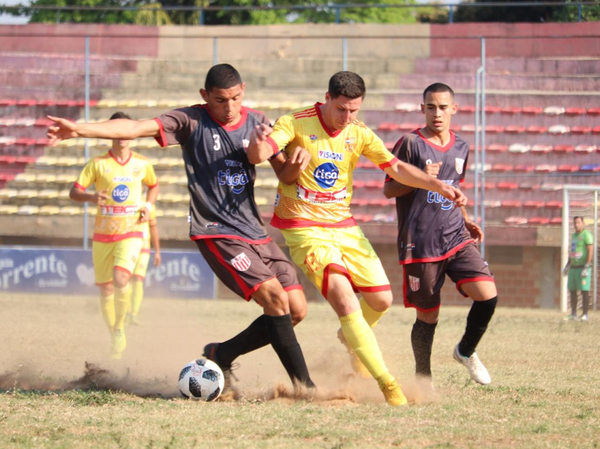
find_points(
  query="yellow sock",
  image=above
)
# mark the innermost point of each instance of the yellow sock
(122, 299)
(107, 307)
(136, 297)
(362, 340)
(372, 317)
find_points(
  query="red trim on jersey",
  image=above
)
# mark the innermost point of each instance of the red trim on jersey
(286, 223)
(437, 259)
(293, 287)
(145, 251)
(437, 147)
(256, 287)
(470, 280)
(388, 164)
(233, 237)
(152, 186)
(240, 282)
(79, 186)
(125, 270)
(161, 139)
(273, 144)
(408, 304)
(100, 284)
(379, 288)
(122, 164)
(306, 113)
(339, 269)
(323, 124)
(108, 238)
(226, 127)
(138, 276)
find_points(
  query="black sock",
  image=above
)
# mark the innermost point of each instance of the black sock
(283, 340)
(574, 299)
(421, 338)
(477, 322)
(585, 302)
(253, 337)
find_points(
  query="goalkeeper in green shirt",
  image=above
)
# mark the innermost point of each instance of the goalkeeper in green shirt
(579, 268)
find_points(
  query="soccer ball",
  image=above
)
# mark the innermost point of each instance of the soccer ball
(201, 380)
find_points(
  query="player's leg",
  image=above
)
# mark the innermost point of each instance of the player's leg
(137, 285)
(102, 258)
(474, 280)
(573, 298)
(573, 285)
(422, 285)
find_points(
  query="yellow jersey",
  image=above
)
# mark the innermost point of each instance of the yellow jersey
(321, 196)
(118, 218)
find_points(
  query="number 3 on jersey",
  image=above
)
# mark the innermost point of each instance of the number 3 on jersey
(217, 140)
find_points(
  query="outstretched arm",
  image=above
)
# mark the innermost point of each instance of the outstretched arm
(63, 129)
(288, 169)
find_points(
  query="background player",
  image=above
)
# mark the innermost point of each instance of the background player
(579, 268)
(435, 238)
(118, 177)
(151, 239)
(225, 220)
(312, 209)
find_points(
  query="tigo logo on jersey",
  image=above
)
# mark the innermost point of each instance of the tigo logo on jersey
(436, 198)
(120, 193)
(237, 181)
(326, 175)
(241, 262)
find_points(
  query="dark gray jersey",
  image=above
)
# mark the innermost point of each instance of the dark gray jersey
(430, 228)
(220, 178)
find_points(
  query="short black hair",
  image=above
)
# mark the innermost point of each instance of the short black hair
(580, 217)
(222, 76)
(119, 114)
(348, 84)
(436, 88)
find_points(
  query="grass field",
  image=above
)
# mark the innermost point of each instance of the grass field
(545, 390)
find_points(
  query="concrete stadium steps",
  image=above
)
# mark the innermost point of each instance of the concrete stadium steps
(99, 65)
(540, 66)
(576, 83)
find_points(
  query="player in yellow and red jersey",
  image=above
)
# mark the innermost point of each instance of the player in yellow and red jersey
(151, 240)
(118, 177)
(323, 144)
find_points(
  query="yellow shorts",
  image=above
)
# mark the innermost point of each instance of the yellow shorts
(318, 250)
(122, 255)
(142, 264)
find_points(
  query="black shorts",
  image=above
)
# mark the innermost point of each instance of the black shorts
(423, 281)
(243, 267)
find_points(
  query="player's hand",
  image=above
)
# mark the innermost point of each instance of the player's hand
(100, 198)
(433, 170)
(157, 259)
(300, 158)
(585, 271)
(260, 133)
(144, 215)
(565, 270)
(474, 230)
(61, 129)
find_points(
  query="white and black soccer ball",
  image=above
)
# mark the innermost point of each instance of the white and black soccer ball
(201, 380)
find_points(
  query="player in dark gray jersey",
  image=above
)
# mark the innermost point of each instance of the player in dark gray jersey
(224, 219)
(435, 238)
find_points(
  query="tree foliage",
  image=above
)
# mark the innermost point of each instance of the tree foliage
(107, 17)
(517, 13)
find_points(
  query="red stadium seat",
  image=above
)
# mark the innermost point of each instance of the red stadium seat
(7, 102)
(534, 129)
(564, 149)
(580, 203)
(495, 147)
(593, 111)
(556, 221)
(524, 168)
(468, 108)
(511, 203)
(467, 186)
(539, 220)
(510, 110)
(554, 205)
(48, 103)
(532, 110)
(494, 129)
(541, 148)
(390, 145)
(596, 130)
(515, 129)
(408, 126)
(455, 128)
(492, 109)
(568, 168)
(507, 186)
(490, 185)
(529, 186)
(581, 129)
(575, 111)
(545, 168)
(358, 184)
(533, 204)
(375, 184)
(501, 168)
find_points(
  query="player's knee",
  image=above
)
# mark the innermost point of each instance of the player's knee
(276, 301)
(106, 291)
(380, 302)
(121, 279)
(298, 312)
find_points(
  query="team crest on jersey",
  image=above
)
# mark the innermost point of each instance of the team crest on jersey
(136, 171)
(459, 164)
(313, 137)
(245, 143)
(349, 144)
(414, 283)
(241, 262)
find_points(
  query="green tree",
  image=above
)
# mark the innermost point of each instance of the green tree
(517, 13)
(108, 17)
(569, 13)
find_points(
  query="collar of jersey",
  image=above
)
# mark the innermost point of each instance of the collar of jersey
(437, 147)
(117, 161)
(238, 125)
(323, 124)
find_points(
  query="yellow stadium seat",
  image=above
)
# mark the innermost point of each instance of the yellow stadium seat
(27, 194)
(71, 210)
(43, 178)
(66, 178)
(28, 210)
(25, 178)
(106, 103)
(47, 194)
(46, 160)
(49, 210)
(8, 209)
(8, 193)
